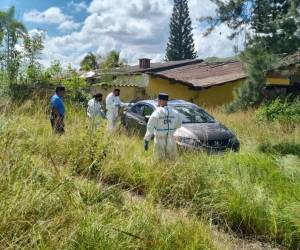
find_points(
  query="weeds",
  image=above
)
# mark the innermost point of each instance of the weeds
(52, 196)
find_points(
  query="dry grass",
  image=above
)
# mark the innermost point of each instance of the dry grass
(44, 177)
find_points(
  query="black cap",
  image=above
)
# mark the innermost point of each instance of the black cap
(60, 88)
(163, 96)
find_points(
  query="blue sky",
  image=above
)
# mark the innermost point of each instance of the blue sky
(74, 9)
(136, 28)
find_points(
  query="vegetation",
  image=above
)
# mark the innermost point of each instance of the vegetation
(250, 93)
(181, 44)
(33, 47)
(112, 60)
(68, 192)
(89, 62)
(11, 31)
(286, 110)
(272, 31)
(52, 195)
(53, 198)
(92, 61)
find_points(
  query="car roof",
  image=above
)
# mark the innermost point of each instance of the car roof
(172, 102)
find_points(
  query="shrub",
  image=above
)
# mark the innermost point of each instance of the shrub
(287, 111)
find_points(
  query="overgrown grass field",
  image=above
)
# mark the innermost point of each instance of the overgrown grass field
(52, 194)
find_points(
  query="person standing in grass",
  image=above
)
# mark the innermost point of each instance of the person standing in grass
(95, 111)
(163, 124)
(58, 110)
(113, 105)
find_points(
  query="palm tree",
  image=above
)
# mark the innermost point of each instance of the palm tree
(11, 30)
(113, 60)
(89, 62)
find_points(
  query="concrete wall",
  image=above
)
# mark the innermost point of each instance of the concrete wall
(128, 93)
(218, 95)
(278, 81)
(214, 96)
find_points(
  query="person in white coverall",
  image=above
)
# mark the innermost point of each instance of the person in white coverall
(163, 124)
(95, 111)
(113, 104)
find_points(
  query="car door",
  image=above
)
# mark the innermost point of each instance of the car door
(134, 117)
(147, 112)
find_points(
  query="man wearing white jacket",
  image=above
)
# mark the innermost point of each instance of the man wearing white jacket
(95, 111)
(163, 124)
(113, 104)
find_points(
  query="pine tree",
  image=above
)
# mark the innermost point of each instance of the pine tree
(181, 44)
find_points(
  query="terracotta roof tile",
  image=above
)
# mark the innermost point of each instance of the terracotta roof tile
(203, 75)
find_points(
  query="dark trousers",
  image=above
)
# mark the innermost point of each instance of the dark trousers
(57, 124)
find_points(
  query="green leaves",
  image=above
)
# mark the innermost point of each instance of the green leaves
(11, 31)
(181, 43)
(89, 62)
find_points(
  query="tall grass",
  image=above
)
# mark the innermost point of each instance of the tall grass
(253, 192)
(51, 196)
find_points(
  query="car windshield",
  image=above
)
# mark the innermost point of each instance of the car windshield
(193, 114)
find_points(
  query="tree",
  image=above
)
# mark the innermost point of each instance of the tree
(75, 85)
(33, 46)
(55, 70)
(12, 30)
(181, 43)
(272, 28)
(272, 24)
(89, 62)
(112, 60)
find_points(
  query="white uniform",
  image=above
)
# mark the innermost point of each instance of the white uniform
(163, 124)
(113, 103)
(95, 109)
(95, 112)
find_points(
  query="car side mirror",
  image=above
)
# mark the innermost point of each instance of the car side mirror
(147, 117)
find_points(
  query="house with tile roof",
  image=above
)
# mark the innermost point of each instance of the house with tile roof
(284, 77)
(204, 83)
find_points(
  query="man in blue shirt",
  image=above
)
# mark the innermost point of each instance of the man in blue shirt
(58, 110)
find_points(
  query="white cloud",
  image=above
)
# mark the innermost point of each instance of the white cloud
(68, 25)
(52, 15)
(78, 6)
(137, 28)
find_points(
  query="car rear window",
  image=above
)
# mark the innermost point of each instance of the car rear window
(193, 114)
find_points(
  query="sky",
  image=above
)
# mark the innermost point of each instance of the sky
(136, 28)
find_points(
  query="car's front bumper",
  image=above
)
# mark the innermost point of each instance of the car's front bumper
(214, 146)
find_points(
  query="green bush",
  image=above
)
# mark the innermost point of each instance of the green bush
(286, 110)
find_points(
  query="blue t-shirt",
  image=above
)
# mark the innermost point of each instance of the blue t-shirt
(57, 102)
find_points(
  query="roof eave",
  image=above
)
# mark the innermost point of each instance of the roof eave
(174, 80)
(191, 85)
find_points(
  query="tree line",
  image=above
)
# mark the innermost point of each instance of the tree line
(272, 29)
(20, 54)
